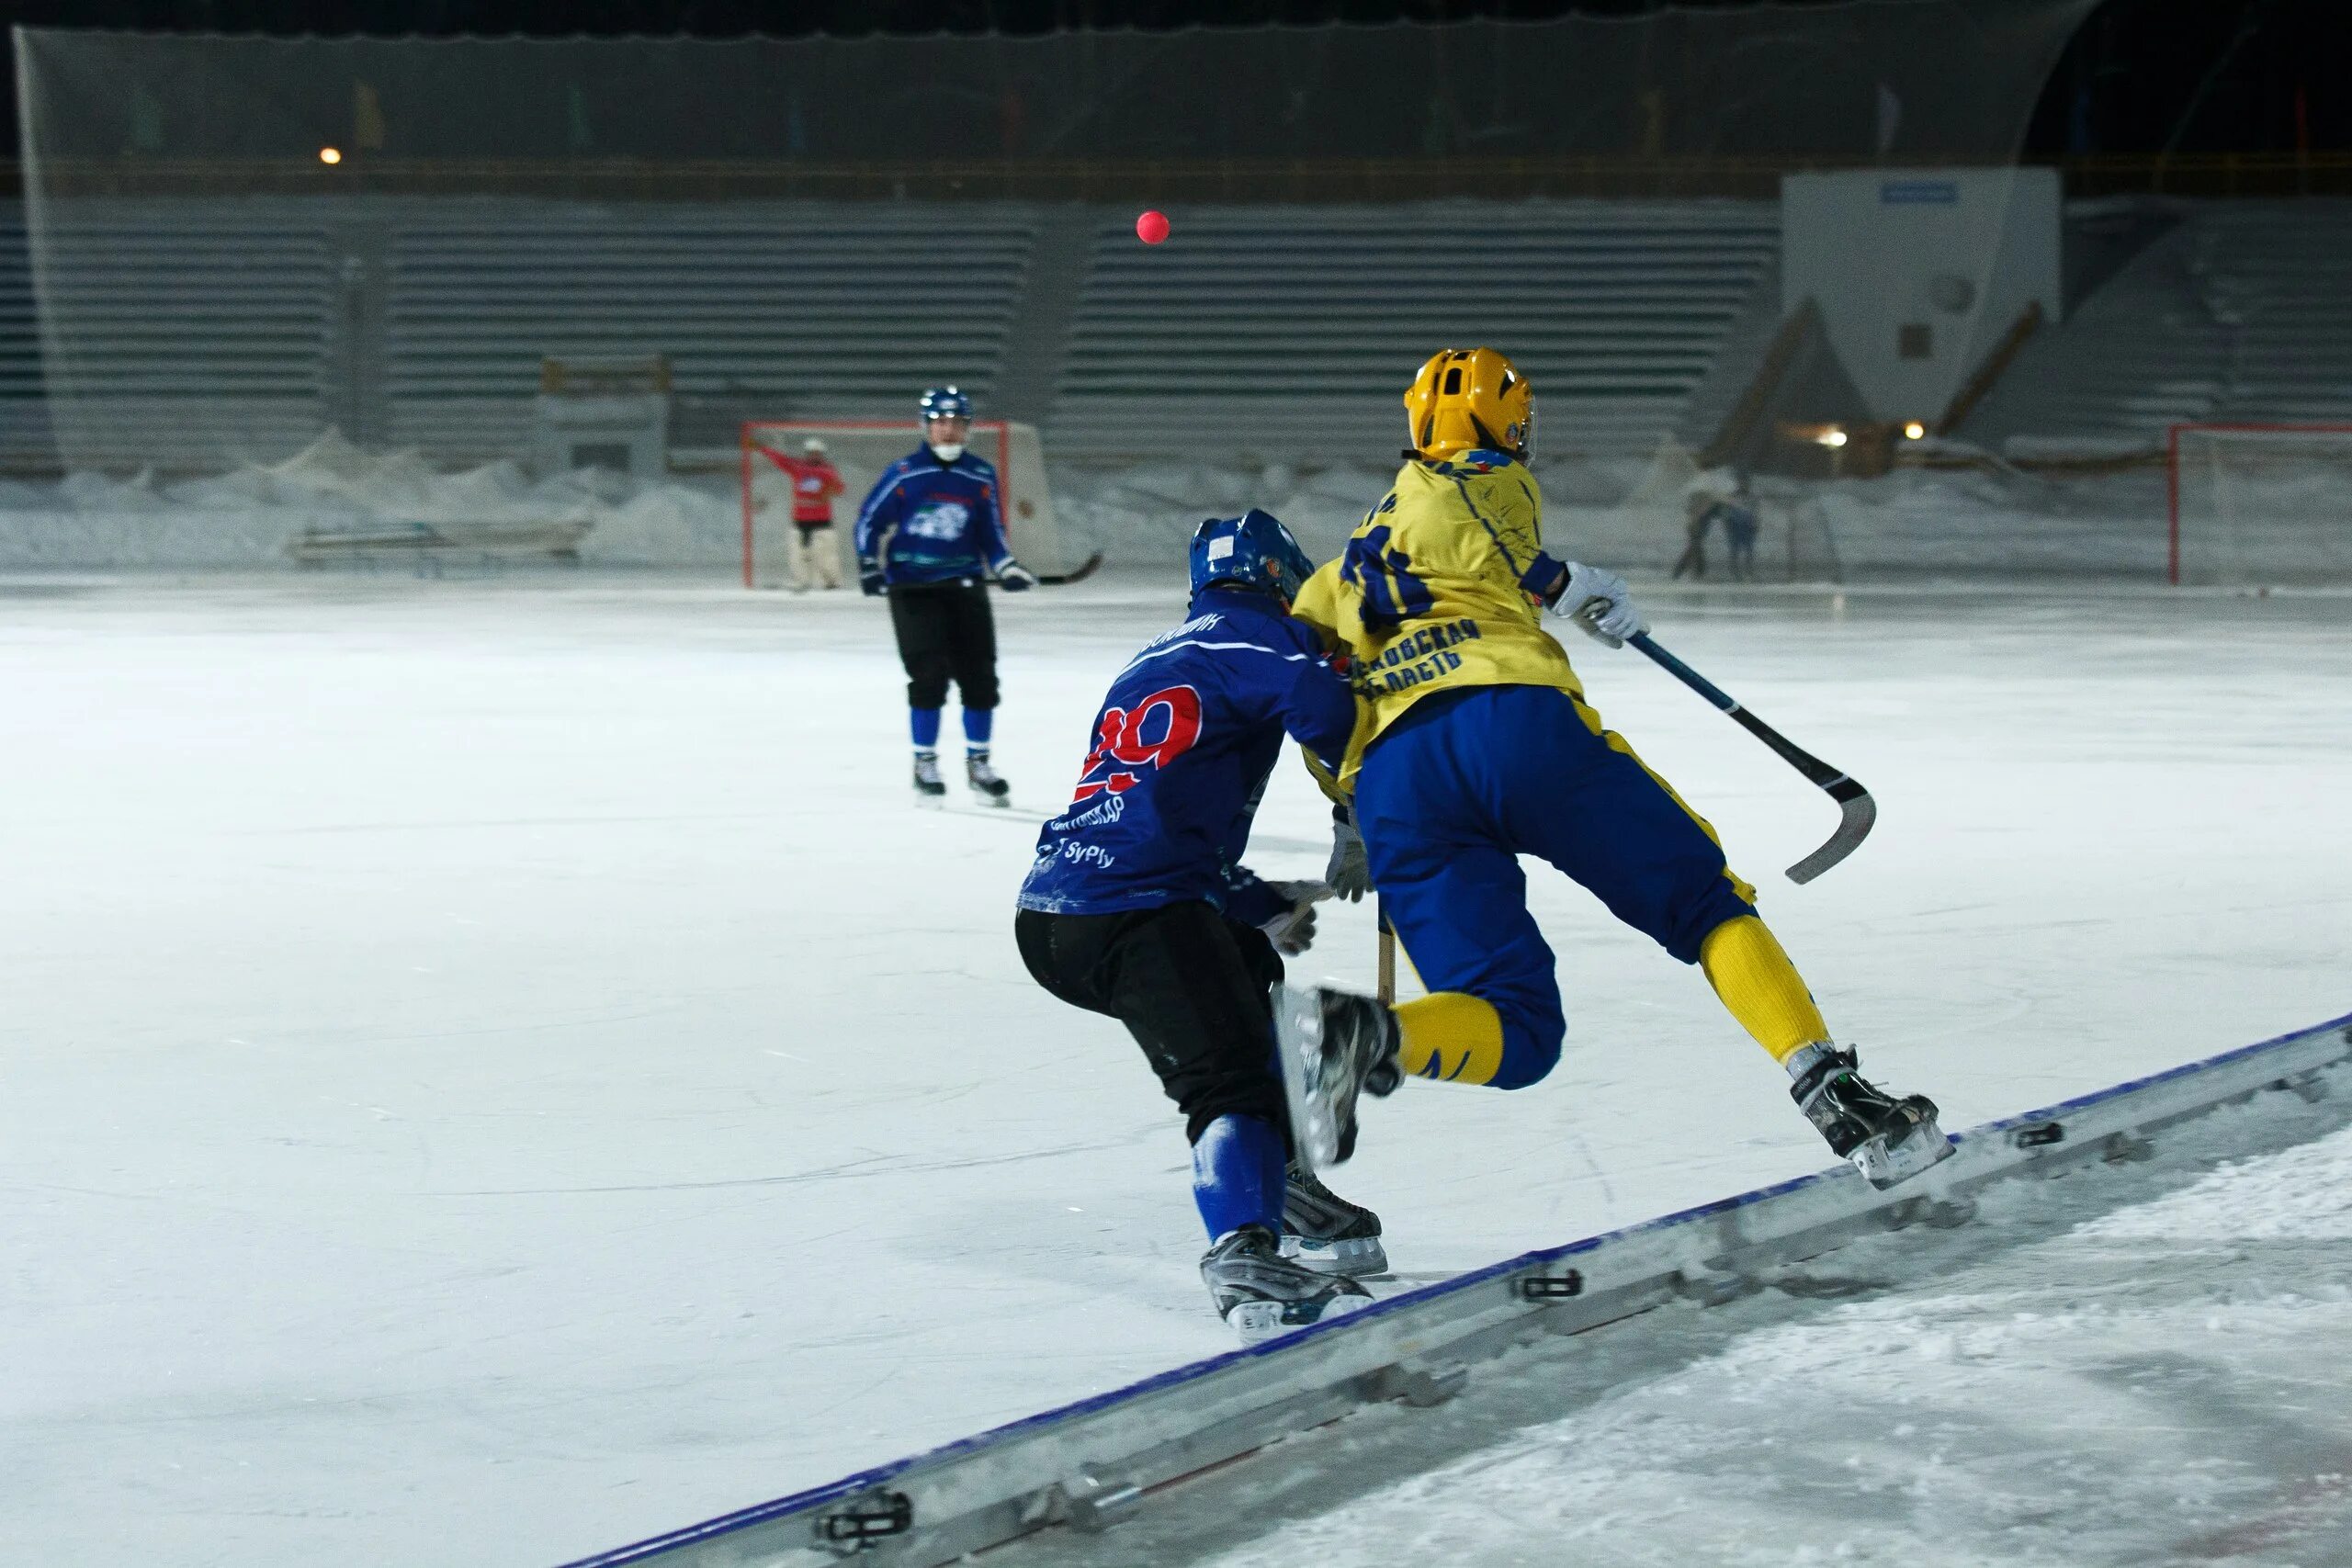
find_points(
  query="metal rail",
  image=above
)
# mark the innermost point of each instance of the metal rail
(1087, 1465)
(1116, 180)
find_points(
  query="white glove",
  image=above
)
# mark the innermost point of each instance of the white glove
(1348, 874)
(1016, 577)
(1294, 932)
(1598, 601)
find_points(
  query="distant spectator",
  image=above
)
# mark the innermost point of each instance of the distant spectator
(1725, 499)
(1742, 521)
(1699, 516)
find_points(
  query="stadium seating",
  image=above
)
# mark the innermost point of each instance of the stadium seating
(1277, 331)
(176, 332)
(199, 333)
(191, 333)
(760, 311)
(2280, 280)
(24, 413)
(2242, 311)
(203, 332)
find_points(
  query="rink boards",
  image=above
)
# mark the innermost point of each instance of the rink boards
(1087, 1465)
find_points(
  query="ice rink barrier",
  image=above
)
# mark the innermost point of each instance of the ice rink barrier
(1087, 1465)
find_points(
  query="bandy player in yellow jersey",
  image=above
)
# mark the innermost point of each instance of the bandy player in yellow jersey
(1474, 745)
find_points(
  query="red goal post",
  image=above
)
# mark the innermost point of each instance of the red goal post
(862, 449)
(2258, 503)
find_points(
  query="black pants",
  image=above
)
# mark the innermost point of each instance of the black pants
(1191, 987)
(946, 630)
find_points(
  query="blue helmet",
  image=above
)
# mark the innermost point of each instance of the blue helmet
(1253, 549)
(945, 402)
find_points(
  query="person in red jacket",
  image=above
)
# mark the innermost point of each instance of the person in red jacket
(815, 482)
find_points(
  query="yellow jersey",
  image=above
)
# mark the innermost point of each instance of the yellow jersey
(1429, 594)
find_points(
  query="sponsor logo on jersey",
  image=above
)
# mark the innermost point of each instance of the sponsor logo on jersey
(1109, 809)
(1427, 641)
(1416, 660)
(939, 520)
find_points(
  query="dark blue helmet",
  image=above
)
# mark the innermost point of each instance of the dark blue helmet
(1253, 549)
(945, 402)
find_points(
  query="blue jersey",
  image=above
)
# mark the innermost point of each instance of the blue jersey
(926, 521)
(1176, 759)
(1739, 521)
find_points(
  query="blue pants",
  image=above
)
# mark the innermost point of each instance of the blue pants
(1452, 794)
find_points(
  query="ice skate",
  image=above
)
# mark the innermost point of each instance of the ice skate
(1262, 1294)
(992, 790)
(1333, 1045)
(1888, 1140)
(1326, 1232)
(929, 785)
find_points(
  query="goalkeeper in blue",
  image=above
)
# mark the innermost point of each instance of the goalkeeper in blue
(1476, 747)
(1138, 907)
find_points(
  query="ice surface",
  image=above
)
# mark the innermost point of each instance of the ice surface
(489, 1072)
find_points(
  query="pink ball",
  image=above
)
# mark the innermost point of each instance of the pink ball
(1152, 228)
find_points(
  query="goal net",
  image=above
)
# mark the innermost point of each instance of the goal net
(861, 450)
(2257, 504)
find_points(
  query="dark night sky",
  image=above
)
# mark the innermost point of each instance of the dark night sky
(2142, 76)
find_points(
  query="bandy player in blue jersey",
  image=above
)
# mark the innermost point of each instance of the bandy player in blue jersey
(1138, 906)
(930, 536)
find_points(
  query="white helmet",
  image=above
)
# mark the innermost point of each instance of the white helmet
(813, 447)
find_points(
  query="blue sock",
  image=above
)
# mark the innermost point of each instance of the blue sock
(979, 725)
(1238, 1174)
(924, 722)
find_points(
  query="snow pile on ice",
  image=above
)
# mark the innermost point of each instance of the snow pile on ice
(1961, 522)
(250, 516)
(1148, 511)
(1992, 522)
(1631, 513)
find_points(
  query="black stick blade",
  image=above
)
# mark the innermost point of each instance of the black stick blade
(1077, 573)
(1858, 815)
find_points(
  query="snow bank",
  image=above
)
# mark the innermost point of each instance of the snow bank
(1627, 513)
(1630, 513)
(1148, 511)
(249, 517)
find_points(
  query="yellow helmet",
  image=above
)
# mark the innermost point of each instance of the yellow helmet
(1466, 398)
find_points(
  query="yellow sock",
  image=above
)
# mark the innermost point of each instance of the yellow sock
(1451, 1035)
(1749, 971)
